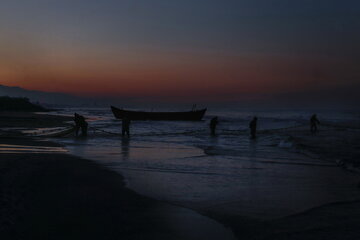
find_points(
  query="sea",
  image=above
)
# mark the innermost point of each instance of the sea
(180, 163)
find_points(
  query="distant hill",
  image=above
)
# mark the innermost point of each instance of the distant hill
(44, 98)
(19, 104)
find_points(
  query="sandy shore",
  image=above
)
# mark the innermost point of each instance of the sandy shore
(62, 197)
(52, 195)
(338, 144)
(334, 221)
(59, 196)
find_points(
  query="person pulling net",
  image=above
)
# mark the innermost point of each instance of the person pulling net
(80, 123)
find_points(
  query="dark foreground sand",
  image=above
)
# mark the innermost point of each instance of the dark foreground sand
(335, 221)
(59, 196)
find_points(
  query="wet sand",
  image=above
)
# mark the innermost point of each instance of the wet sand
(269, 199)
(336, 144)
(48, 194)
(59, 196)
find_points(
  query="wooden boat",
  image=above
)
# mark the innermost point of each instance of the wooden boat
(195, 115)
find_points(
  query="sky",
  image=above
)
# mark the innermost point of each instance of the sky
(221, 50)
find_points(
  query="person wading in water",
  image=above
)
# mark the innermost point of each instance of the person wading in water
(214, 121)
(252, 127)
(313, 124)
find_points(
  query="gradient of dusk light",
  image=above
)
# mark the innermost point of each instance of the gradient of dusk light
(212, 49)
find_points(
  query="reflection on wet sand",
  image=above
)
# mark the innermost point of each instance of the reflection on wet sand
(10, 148)
(125, 148)
(254, 179)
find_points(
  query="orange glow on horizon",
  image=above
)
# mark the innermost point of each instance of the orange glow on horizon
(186, 76)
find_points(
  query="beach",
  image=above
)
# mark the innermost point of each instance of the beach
(52, 195)
(46, 193)
(334, 143)
(184, 120)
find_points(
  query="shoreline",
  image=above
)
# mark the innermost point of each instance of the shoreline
(338, 144)
(83, 203)
(333, 143)
(336, 221)
(40, 204)
(58, 195)
(67, 196)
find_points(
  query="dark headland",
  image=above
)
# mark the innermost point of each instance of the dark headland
(19, 104)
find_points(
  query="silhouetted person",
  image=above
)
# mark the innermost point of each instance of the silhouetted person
(214, 121)
(252, 127)
(80, 123)
(126, 126)
(313, 124)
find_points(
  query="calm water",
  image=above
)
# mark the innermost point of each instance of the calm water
(181, 163)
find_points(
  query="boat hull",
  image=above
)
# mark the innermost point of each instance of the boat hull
(159, 116)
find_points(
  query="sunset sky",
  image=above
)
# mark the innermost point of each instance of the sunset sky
(210, 49)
